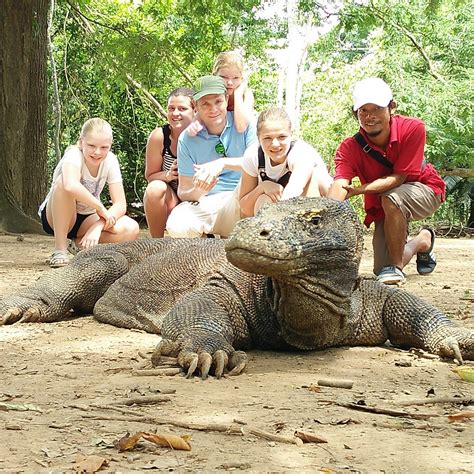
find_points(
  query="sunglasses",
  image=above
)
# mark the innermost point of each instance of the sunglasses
(220, 148)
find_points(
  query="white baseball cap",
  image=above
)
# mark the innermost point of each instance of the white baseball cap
(371, 91)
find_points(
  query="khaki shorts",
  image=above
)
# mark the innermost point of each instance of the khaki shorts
(216, 214)
(416, 201)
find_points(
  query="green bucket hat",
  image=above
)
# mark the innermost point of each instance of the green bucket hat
(208, 85)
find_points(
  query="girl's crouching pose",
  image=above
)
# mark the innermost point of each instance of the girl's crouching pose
(279, 168)
(73, 210)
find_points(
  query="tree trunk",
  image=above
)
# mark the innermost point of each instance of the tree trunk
(23, 112)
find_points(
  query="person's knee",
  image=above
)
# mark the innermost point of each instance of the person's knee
(181, 224)
(59, 189)
(389, 206)
(155, 191)
(130, 229)
(181, 229)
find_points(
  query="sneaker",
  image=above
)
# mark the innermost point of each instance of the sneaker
(426, 261)
(391, 275)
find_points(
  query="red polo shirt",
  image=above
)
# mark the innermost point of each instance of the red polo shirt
(405, 150)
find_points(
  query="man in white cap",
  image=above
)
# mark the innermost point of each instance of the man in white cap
(387, 155)
(209, 166)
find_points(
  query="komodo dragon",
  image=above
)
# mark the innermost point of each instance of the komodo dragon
(287, 278)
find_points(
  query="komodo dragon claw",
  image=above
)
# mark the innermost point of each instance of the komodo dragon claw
(450, 348)
(11, 316)
(18, 315)
(19, 309)
(202, 362)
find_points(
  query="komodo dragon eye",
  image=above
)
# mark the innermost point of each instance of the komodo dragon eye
(313, 217)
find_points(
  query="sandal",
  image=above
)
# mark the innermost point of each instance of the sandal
(426, 261)
(73, 248)
(58, 259)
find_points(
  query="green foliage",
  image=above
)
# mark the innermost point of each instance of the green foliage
(423, 48)
(100, 46)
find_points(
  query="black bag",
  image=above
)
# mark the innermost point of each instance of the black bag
(261, 168)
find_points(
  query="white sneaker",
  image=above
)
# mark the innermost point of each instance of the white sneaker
(391, 275)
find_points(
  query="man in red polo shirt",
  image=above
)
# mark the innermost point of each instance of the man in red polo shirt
(398, 185)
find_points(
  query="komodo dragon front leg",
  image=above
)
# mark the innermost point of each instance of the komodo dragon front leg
(203, 330)
(413, 323)
(77, 286)
(382, 313)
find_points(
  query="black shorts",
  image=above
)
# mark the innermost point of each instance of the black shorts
(80, 218)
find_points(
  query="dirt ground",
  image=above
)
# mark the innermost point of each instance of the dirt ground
(61, 371)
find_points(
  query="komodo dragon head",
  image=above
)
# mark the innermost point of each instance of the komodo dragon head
(311, 249)
(299, 237)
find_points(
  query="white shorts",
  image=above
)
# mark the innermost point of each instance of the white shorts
(215, 214)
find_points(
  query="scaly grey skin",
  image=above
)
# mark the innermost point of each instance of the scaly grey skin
(287, 278)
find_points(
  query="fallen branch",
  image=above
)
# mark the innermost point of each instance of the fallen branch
(401, 427)
(269, 436)
(464, 415)
(429, 401)
(142, 400)
(384, 411)
(221, 428)
(169, 371)
(4, 406)
(87, 408)
(19, 237)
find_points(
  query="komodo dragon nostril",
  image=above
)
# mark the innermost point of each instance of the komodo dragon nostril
(265, 233)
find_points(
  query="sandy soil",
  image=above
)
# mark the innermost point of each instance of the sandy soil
(63, 369)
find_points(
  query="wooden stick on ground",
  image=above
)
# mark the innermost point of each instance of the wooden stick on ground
(153, 372)
(142, 400)
(385, 411)
(221, 428)
(429, 401)
(338, 383)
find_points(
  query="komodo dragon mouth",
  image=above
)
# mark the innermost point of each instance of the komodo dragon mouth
(266, 261)
(253, 261)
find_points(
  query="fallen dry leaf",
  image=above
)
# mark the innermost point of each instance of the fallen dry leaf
(461, 416)
(90, 464)
(310, 437)
(128, 442)
(170, 441)
(314, 388)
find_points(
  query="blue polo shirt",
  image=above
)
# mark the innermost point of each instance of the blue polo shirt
(200, 149)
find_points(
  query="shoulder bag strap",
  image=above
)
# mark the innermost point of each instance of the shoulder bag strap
(371, 152)
(166, 139)
(261, 164)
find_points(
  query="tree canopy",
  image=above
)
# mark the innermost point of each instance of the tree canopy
(119, 59)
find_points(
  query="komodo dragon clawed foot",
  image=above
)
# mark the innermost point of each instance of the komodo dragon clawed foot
(23, 310)
(200, 354)
(455, 345)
